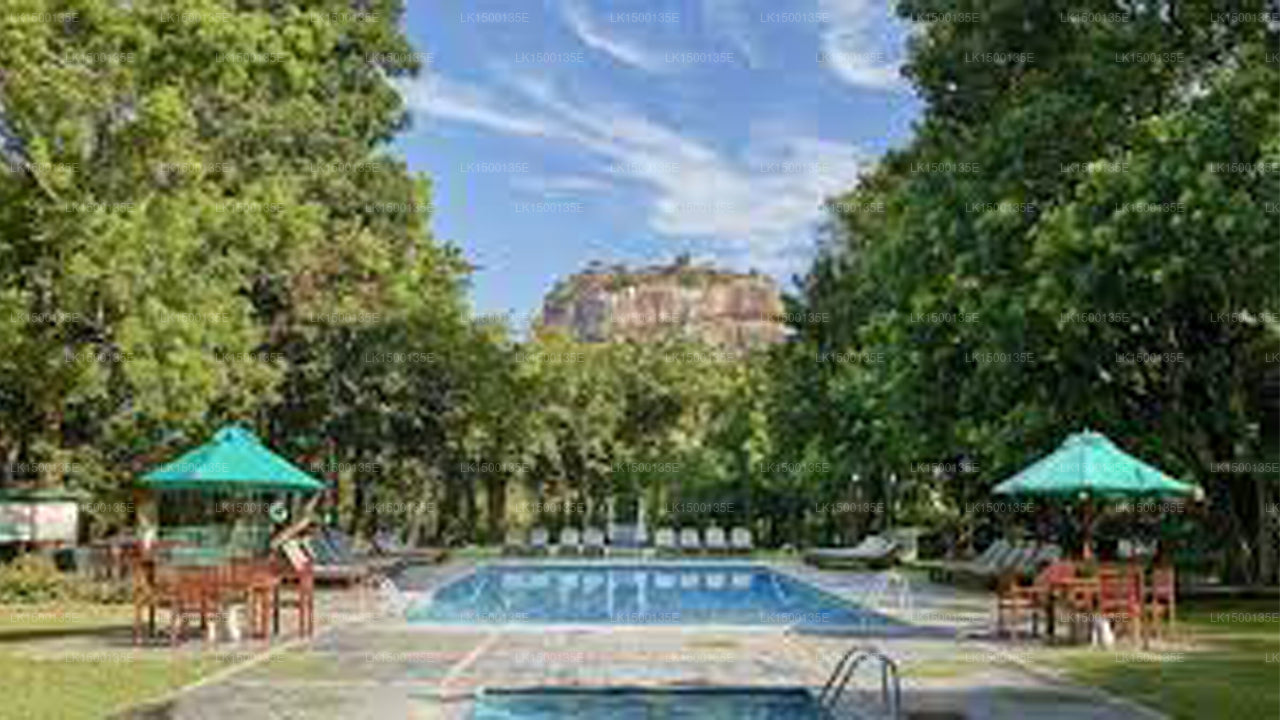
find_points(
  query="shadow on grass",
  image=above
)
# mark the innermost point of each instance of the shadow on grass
(13, 636)
(155, 711)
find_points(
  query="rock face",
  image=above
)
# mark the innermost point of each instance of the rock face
(735, 311)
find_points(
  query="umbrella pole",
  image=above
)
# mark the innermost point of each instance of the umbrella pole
(1086, 552)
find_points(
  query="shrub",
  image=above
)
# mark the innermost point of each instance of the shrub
(33, 579)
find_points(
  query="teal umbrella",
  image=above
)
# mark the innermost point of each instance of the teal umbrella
(234, 460)
(1088, 465)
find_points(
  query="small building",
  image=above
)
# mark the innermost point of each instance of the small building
(39, 517)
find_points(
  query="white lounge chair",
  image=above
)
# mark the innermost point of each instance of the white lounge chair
(715, 540)
(514, 543)
(593, 541)
(690, 542)
(740, 540)
(539, 539)
(664, 540)
(570, 542)
(874, 551)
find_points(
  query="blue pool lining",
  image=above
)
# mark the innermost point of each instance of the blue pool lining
(728, 564)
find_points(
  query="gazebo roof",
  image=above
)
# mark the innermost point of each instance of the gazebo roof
(1089, 463)
(234, 460)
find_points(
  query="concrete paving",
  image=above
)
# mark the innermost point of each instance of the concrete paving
(379, 666)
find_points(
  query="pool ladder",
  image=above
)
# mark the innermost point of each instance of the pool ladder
(890, 686)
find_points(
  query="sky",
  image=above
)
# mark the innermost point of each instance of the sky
(560, 132)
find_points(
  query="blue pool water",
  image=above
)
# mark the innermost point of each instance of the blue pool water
(690, 704)
(638, 595)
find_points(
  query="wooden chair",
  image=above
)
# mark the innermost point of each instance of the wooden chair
(302, 579)
(188, 591)
(1120, 595)
(255, 582)
(1014, 600)
(1161, 601)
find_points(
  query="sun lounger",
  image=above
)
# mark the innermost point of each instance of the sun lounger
(873, 551)
(664, 541)
(326, 566)
(389, 545)
(947, 570)
(538, 541)
(570, 542)
(593, 541)
(690, 542)
(740, 540)
(1009, 563)
(1040, 557)
(514, 543)
(715, 540)
(625, 536)
(344, 551)
(990, 565)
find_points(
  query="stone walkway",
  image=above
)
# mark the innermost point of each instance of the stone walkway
(382, 667)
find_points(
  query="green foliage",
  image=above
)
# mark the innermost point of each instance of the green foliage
(1068, 216)
(201, 223)
(32, 579)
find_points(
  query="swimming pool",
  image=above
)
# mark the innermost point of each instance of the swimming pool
(638, 704)
(657, 594)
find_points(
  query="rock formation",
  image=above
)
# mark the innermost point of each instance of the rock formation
(728, 310)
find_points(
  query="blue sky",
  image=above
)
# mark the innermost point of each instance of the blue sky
(563, 131)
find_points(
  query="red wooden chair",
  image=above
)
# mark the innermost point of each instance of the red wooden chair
(1014, 600)
(1120, 597)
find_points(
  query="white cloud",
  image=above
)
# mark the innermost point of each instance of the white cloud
(594, 36)
(754, 207)
(564, 184)
(435, 95)
(852, 47)
(731, 19)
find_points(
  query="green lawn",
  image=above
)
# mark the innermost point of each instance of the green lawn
(69, 662)
(1232, 671)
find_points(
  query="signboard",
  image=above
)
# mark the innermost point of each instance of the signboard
(38, 521)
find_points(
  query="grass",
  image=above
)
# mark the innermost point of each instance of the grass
(69, 663)
(1228, 668)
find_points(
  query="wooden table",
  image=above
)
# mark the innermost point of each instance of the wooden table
(1077, 593)
(206, 589)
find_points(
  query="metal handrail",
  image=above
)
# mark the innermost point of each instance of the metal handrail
(890, 684)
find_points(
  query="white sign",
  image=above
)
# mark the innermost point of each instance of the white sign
(39, 521)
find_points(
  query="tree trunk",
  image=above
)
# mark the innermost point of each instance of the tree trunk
(496, 510)
(1266, 567)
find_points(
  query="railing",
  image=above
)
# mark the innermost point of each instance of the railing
(890, 685)
(892, 592)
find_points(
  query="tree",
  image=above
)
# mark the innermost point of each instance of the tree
(1073, 199)
(200, 222)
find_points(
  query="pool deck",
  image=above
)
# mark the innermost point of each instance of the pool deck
(376, 665)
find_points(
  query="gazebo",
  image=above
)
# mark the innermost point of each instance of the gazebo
(234, 463)
(204, 571)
